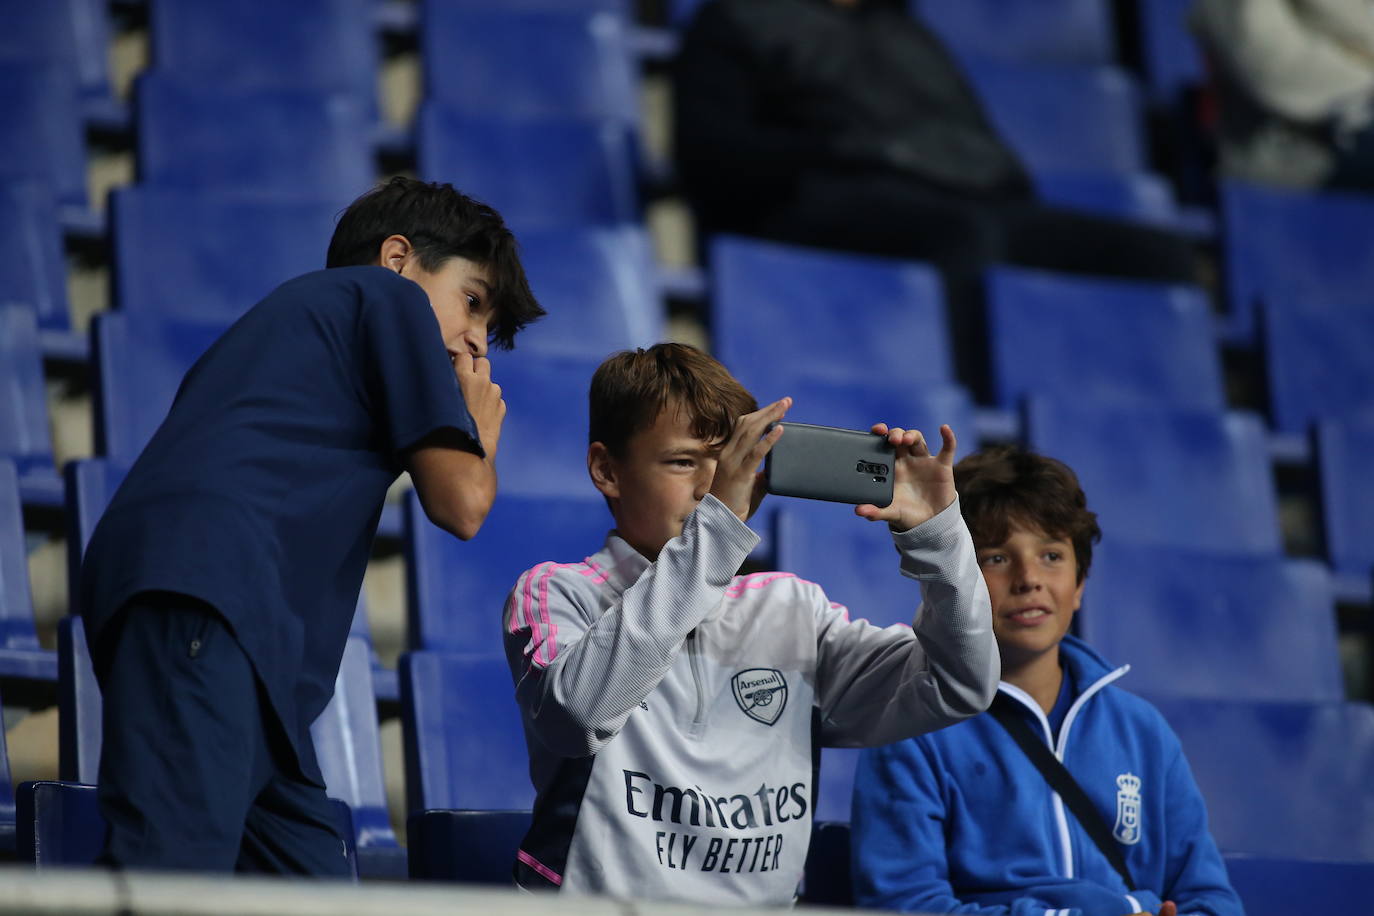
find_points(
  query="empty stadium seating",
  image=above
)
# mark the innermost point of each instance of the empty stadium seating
(1347, 501)
(543, 450)
(553, 170)
(1171, 58)
(7, 814)
(1036, 107)
(582, 66)
(139, 362)
(1166, 476)
(1317, 363)
(349, 749)
(1079, 338)
(74, 34)
(285, 140)
(1294, 249)
(1284, 780)
(40, 127)
(597, 285)
(24, 436)
(780, 314)
(456, 590)
(1025, 31)
(34, 271)
(233, 248)
(79, 705)
(1196, 624)
(1140, 196)
(465, 748)
(21, 656)
(320, 45)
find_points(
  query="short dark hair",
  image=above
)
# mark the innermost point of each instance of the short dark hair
(631, 388)
(441, 223)
(1007, 485)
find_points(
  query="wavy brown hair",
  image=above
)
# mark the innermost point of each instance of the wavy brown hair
(1007, 485)
(631, 388)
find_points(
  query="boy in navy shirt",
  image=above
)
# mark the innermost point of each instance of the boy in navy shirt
(219, 587)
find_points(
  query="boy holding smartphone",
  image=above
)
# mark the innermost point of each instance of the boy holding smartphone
(672, 709)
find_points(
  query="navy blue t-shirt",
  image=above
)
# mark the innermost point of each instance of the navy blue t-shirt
(261, 491)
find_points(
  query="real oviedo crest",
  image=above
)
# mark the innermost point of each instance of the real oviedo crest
(761, 693)
(1127, 828)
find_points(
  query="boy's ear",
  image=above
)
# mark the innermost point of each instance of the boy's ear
(602, 468)
(394, 252)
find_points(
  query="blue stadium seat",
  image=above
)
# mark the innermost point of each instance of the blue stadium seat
(528, 62)
(139, 362)
(464, 744)
(60, 825)
(1164, 475)
(781, 314)
(1077, 338)
(1347, 501)
(232, 248)
(456, 590)
(282, 140)
(1279, 887)
(597, 285)
(1140, 196)
(35, 270)
(1294, 248)
(79, 705)
(472, 847)
(74, 34)
(321, 45)
(1317, 363)
(1226, 627)
(24, 435)
(40, 127)
(538, 172)
(348, 746)
(856, 405)
(1027, 31)
(1172, 60)
(851, 558)
(543, 449)
(1284, 780)
(21, 656)
(1065, 118)
(836, 789)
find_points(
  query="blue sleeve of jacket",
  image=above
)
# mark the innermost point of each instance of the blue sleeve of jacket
(898, 847)
(1195, 876)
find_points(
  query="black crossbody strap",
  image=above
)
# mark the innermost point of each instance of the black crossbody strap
(1004, 710)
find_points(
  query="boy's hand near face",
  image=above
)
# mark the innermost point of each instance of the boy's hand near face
(738, 482)
(922, 485)
(482, 396)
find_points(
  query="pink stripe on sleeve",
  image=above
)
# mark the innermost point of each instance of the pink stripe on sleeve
(538, 866)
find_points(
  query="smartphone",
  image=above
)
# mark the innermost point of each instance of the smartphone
(837, 465)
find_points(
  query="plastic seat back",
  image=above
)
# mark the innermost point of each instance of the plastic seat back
(17, 629)
(538, 172)
(782, 314)
(35, 271)
(232, 248)
(457, 590)
(41, 128)
(1347, 499)
(1317, 363)
(1077, 338)
(79, 705)
(1288, 780)
(288, 141)
(1058, 31)
(140, 362)
(24, 435)
(1229, 627)
(1167, 476)
(465, 747)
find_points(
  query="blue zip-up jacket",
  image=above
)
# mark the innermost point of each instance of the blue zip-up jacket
(960, 821)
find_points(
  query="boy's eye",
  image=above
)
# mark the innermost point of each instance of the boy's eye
(992, 559)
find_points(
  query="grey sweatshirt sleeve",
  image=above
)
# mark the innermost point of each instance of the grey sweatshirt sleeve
(876, 686)
(576, 693)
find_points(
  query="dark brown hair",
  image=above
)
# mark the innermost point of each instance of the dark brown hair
(630, 389)
(440, 223)
(1007, 485)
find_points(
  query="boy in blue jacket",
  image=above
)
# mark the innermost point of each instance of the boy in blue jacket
(960, 821)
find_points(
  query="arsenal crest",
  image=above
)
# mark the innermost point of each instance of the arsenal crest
(761, 693)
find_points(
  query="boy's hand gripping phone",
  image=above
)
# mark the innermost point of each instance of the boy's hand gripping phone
(823, 462)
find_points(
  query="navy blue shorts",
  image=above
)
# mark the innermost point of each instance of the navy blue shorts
(195, 769)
